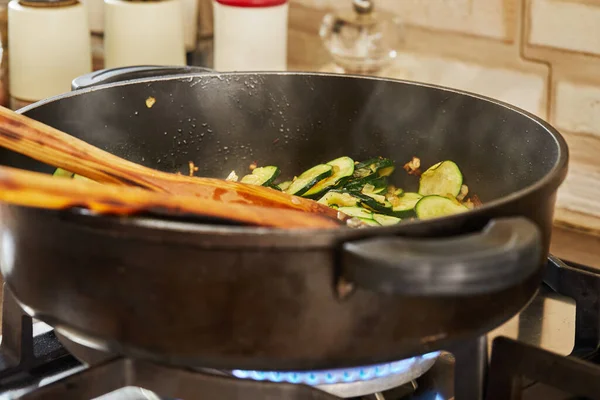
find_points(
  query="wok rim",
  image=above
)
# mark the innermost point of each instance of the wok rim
(553, 178)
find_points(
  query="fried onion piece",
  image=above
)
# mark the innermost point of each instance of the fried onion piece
(412, 167)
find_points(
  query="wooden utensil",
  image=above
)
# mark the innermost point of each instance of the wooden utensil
(51, 146)
(33, 189)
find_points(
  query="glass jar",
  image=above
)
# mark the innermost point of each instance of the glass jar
(362, 41)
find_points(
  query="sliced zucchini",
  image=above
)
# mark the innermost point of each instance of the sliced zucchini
(309, 178)
(375, 202)
(404, 206)
(373, 168)
(342, 167)
(375, 164)
(438, 206)
(385, 220)
(386, 171)
(283, 186)
(376, 186)
(392, 192)
(370, 222)
(357, 212)
(356, 185)
(443, 179)
(379, 198)
(82, 178)
(62, 173)
(262, 176)
(365, 164)
(339, 199)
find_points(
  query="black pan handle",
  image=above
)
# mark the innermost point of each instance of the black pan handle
(502, 255)
(120, 74)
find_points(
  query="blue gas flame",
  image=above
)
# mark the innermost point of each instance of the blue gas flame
(346, 375)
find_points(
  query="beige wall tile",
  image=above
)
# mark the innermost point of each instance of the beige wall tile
(565, 24)
(581, 190)
(577, 107)
(488, 18)
(523, 89)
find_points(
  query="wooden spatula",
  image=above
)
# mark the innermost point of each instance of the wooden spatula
(32, 189)
(51, 146)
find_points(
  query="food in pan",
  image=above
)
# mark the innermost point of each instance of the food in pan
(361, 189)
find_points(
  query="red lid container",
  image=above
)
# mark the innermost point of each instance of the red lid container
(251, 3)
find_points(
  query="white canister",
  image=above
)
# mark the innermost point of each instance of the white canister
(250, 35)
(190, 20)
(143, 33)
(49, 44)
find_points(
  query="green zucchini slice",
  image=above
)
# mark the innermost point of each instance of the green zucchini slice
(357, 212)
(62, 173)
(342, 168)
(387, 171)
(283, 186)
(370, 222)
(385, 220)
(262, 176)
(443, 179)
(375, 164)
(82, 178)
(404, 206)
(309, 178)
(66, 174)
(376, 186)
(375, 202)
(438, 206)
(335, 198)
(373, 168)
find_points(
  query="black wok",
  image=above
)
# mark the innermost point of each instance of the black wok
(222, 296)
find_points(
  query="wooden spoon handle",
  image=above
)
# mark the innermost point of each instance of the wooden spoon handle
(33, 189)
(41, 142)
(51, 146)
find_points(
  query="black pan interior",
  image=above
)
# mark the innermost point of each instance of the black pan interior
(223, 122)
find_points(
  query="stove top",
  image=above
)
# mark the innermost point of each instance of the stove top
(527, 353)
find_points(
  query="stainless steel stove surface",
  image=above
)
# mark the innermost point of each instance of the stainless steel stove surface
(563, 319)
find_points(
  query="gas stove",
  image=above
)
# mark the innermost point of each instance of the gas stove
(548, 351)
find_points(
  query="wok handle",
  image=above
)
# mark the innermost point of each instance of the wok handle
(120, 74)
(502, 255)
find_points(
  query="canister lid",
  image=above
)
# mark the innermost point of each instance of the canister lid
(48, 3)
(251, 3)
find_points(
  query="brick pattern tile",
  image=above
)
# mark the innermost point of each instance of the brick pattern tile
(523, 89)
(565, 24)
(577, 107)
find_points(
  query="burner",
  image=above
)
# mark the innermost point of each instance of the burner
(351, 382)
(35, 365)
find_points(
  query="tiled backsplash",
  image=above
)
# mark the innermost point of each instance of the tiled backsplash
(541, 55)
